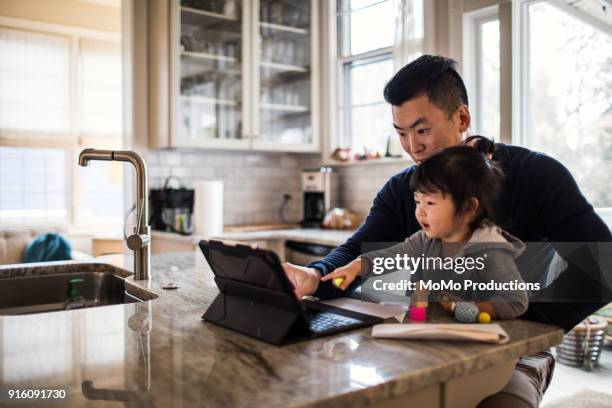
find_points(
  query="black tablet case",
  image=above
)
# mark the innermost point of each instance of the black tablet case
(255, 298)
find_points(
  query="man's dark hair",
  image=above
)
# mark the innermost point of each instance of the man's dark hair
(430, 75)
(461, 172)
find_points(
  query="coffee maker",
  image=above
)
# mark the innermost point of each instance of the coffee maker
(318, 187)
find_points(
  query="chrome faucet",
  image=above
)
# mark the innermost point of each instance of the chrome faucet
(140, 239)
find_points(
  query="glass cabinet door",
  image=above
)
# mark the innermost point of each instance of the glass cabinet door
(284, 57)
(209, 110)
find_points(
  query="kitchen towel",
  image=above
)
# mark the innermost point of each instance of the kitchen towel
(208, 208)
(484, 333)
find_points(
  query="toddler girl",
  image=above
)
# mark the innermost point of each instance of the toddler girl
(454, 193)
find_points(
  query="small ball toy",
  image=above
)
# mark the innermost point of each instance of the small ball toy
(466, 312)
(338, 281)
(484, 317)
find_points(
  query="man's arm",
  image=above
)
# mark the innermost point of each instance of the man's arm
(383, 224)
(564, 215)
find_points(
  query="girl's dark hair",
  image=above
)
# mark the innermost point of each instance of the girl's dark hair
(462, 172)
(480, 143)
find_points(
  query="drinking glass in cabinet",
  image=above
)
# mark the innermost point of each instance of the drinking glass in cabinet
(285, 72)
(225, 8)
(286, 127)
(292, 52)
(210, 66)
(209, 121)
(214, 95)
(292, 14)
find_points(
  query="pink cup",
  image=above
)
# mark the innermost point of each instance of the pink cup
(418, 314)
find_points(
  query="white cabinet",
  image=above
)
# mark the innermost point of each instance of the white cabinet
(286, 82)
(242, 74)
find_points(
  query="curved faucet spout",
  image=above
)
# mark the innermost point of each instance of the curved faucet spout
(142, 252)
(93, 154)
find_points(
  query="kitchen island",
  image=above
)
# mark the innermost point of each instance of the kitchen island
(160, 353)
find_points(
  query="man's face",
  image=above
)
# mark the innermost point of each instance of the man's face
(424, 129)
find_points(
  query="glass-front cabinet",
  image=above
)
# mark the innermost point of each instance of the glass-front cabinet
(284, 36)
(243, 74)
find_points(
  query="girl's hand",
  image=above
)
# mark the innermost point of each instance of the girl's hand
(348, 273)
(447, 306)
(448, 302)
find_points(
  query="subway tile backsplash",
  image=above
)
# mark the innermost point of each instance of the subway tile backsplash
(254, 182)
(359, 184)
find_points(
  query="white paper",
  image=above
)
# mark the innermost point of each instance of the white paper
(485, 333)
(208, 208)
(369, 308)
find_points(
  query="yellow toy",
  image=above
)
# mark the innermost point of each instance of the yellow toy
(338, 281)
(484, 317)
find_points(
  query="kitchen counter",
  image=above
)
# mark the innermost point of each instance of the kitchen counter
(160, 353)
(313, 235)
(163, 242)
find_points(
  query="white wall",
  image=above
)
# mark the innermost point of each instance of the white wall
(92, 15)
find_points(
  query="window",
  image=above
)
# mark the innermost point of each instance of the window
(34, 82)
(366, 60)
(58, 94)
(34, 105)
(33, 184)
(488, 85)
(482, 71)
(100, 185)
(568, 97)
(561, 90)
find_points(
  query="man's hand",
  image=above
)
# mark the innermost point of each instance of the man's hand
(305, 280)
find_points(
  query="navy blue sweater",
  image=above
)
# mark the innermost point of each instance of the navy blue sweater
(540, 201)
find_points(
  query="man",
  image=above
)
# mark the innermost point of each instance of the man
(540, 201)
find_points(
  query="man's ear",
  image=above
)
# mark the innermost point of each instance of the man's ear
(464, 118)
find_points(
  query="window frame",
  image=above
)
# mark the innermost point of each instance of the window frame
(472, 58)
(514, 65)
(332, 132)
(71, 141)
(520, 74)
(341, 109)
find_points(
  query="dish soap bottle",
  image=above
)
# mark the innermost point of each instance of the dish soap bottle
(75, 300)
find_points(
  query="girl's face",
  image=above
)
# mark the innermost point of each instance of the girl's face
(437, 215)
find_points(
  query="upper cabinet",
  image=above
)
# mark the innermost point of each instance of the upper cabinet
(284, 34)
(210, 57)
(241, 74)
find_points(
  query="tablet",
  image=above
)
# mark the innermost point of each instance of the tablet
(257, 299)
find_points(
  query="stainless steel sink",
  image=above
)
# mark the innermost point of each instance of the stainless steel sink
(33, 291)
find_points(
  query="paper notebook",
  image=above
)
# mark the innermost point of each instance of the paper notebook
(484, 333)
(384, 311)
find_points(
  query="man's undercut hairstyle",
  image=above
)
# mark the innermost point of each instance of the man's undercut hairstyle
(430, 75)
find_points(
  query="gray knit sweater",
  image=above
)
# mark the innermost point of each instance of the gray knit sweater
(499, 250)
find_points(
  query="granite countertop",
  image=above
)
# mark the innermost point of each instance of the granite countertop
(160, 353)
(312, 235)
